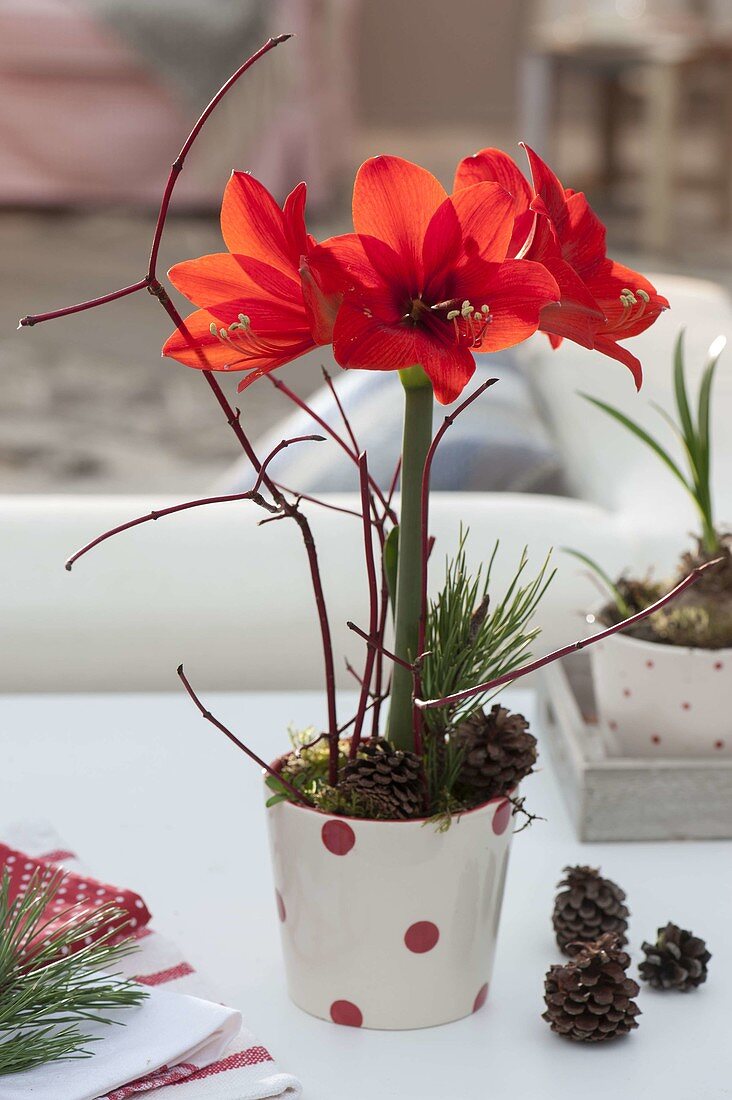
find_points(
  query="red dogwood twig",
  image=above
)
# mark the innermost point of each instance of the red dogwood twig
(363, 472)
(159, 513)
(376, 644)
(297, 795)
(353, 455)
(150, 278)
(339, 405)
(252, 494)
(573, 647)
(153, 285)
(281, 446)
(317, 500)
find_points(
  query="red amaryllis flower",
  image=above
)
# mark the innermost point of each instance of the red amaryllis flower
(260, 304)
(425, 277)
(601, 302)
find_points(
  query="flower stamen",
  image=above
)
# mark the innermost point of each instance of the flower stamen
(469, 323)
(242, 340)
(630, 314)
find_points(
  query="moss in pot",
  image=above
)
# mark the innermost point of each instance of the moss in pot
(663, 686)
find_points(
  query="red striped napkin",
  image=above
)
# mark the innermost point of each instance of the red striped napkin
(245, 1071)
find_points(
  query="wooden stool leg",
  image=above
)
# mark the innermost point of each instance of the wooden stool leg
(609, 129)
(538, 103)
(663, 93)
(725, 151)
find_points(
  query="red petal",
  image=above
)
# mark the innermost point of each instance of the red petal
(269, 281)
(476, 222)
(583, 243)
(341, 263)
(516, 291)
(207, 352)
(293, 209)
(285, 333)
(253, 225)
(322, 309)
(606, 285)
(496, 166)
(548, 188)
(394, 200)
(209, 279)
(615, 351)
(365, 341)
(578, 315)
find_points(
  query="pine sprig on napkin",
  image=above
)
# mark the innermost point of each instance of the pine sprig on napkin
(55, 975)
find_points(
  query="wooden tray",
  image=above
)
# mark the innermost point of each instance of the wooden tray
(612, 797)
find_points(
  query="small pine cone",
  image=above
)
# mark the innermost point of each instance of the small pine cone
(498, 752)
(387, 781)
(589, 998)
(677, 960)
(588, 907)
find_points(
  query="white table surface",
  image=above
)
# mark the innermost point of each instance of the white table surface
(153, 798)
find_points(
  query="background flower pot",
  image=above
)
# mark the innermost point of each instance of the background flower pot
(655, 699)
(389, 924)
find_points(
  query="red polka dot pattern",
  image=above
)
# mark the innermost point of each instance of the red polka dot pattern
(481, 998)
(281, 910)
(84, 894)
(719, 744)
(421, 937)
(718, 666)
(655, 739)
(501, 817)
(338, 837)
(346, 1013)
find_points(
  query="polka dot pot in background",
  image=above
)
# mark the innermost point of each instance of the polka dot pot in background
(662, 700)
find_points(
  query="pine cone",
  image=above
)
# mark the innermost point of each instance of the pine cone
(589, 997)
(588, 907)
(387, 781)
(498, 751)
(677, 960)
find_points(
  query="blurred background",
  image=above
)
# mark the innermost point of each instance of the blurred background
(631, 100)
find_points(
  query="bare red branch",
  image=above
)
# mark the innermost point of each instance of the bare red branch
(376, 644)
(297, 795)
(150, 277)
(302, 404)
(573, 647)
(363, 472)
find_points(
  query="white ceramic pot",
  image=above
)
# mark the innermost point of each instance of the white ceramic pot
(389, 924)
(663, 700)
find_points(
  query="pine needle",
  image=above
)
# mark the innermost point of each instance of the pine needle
(471, 639)
(53, 982)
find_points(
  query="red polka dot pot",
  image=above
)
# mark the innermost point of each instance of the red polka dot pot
(387, 924)
(663, 700)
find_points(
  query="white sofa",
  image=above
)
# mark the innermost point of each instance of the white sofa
(603, 462)
(230, 599)
(233, 601)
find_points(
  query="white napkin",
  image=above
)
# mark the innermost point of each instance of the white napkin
(176, 1046)
(166, 1030)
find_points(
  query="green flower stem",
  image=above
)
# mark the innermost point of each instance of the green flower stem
(418, 400)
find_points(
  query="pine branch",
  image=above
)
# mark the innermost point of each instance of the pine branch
(52, 981)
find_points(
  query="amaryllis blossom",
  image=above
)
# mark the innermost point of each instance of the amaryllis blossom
(602, 301)
(260, 305)
(425, 276)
